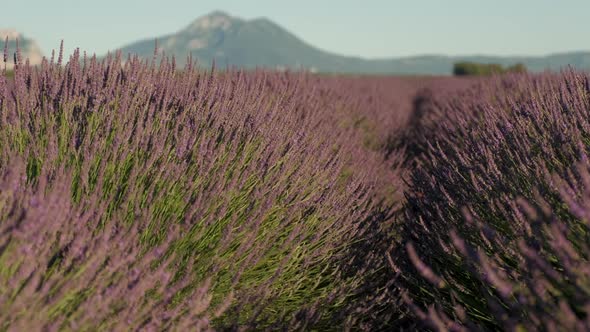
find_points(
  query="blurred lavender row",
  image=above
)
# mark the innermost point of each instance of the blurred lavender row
(496, 217)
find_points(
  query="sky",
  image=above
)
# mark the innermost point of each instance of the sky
(369, 28)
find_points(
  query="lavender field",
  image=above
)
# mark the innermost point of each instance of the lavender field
(137, 195)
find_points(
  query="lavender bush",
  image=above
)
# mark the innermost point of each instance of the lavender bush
(219, 199)
(535, 282)
(500, 241)
(59, 272)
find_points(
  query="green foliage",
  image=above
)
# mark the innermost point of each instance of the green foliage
(495, 189)
(236, 186)
(517, 68)
(9, 74)
(485, 69)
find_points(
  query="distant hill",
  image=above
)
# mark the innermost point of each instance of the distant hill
(262, 43)
(29, 48)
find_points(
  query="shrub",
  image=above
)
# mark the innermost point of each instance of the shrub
(239, 183)
(58, 271)
(466, 209)
(537, 281)
(481, 69)
(517, 68)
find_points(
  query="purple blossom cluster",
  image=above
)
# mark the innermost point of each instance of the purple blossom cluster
(59, 272)
(496, 212)
(135, 195)
(140, 195)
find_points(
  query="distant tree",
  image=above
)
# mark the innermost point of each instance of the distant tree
(464, 69)
(517, 68)
(493, 68)
(481, 69)
(476, 69)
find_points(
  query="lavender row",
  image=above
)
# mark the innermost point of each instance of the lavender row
(496, 227)
(138, 194)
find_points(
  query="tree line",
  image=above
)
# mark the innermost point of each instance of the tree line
(467, 68)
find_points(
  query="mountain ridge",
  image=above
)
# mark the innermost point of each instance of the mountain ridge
(260, 42)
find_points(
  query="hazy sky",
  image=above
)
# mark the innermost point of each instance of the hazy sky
(369, 28)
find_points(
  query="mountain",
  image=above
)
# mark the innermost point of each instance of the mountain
(244, 43)
(28, 47)
(262, 43)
